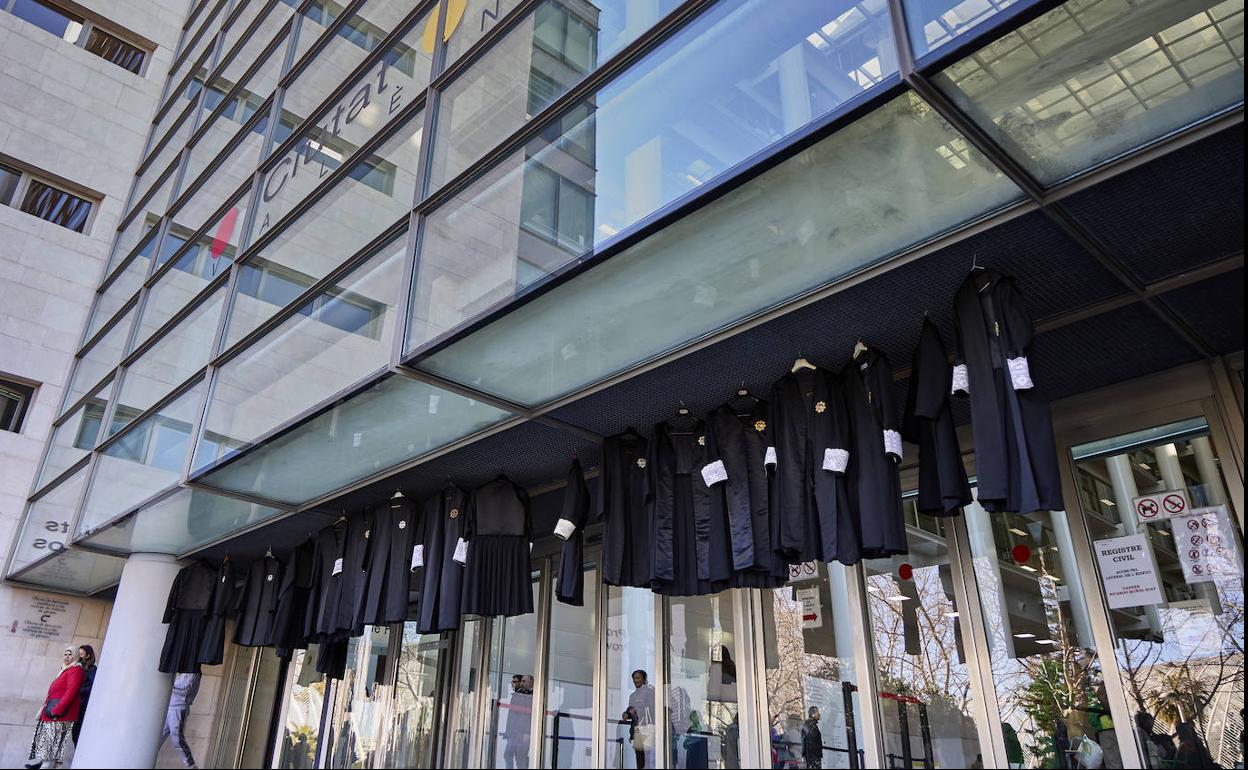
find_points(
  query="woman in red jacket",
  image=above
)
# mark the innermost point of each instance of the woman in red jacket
(58, 714)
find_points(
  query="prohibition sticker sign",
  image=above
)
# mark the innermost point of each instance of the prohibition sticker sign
(1174, 504)
(1147, 508)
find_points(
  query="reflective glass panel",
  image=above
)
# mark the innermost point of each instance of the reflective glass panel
(376, 193)
(99, 360)
(213, 250)
(255, 41)
(513, 656)
(1045, 665)
(199, 57)
(139, 234)
(301, 727)
(630, 715)
(895, 177)
(229, 173)
(921, 652)
(181, 114)
(932, 23)
(48, 18)
(702, 682)
(1091, 80)
(810, 669)
(180, 353)
(539, 60)
(464, 725)
(361, 701)
(467, 21)
(393, 421)
(1181, 658)
(417, 700)
(72, 439)
(147, 459)
(76, 572)
(186, 519)
(163, 158)
(146, 217)
(45, 529)
(119, 292)
(567, 724)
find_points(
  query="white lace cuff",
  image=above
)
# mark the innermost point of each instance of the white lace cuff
(835, 460)
(892, 443)
(770, 457)
(418, 556)
(564, 529)
(1020, 373)
(461, 551)
(715, 472)
(961, 380)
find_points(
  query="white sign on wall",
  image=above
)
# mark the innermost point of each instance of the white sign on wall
(49, 618)
(812, 610)
(1206, 545)
(807, 570)
(1128, 572)
(1163, 505)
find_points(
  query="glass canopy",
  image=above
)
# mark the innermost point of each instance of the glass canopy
(75, 572)
(179, 522)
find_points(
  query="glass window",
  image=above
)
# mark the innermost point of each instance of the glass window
(538, 61)
(178, 522)
(189, 77)
(230, 173)
(417, 701)
(99, 360)
(464, 724)
(567, 724)
(932, 23)
(920, 652)
(1045, 665)
(513, 656)
(896, 177)
(45, 529)
(630, 716)
(388, 423)
(162, 158)
(210, 254)
(375, 193)
(467, 21)
(75, 437)
(145, 460)
(76, 572)
(50, 18)
(275, 16)
(8, 183)
(118, 293)
(1116, 75)
(15, 398)
(361, 699)
(158, 179)
(701, 690)
(810, 667)
(180, 353)
(56, 206)
(301, 727)
(113, 49)
(1181, 659)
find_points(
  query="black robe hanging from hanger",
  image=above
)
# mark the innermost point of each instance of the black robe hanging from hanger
(691, 554)
(293, 597)
(355, 548)
(212, 643)
(623, 507)
(186, 612)
(571, 529)
(319, 625)
(740, 478)
(875, 455)
(389, 568)
(811, 518)
(928, 422)
(496, 565)
(441, 578)
(257, 603)
(1015, 454)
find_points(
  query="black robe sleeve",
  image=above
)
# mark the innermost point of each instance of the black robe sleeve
(571, 586)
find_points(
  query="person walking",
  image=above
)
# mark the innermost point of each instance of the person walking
(185, 688)
(812, 739)
(86, 659)
(57, 715)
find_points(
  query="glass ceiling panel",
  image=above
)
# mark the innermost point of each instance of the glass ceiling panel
(395, 420)
(932, 23)
(1093, 79)
(895, 177)
(733, 81)
(46, 528)
(186, 519)
(75, 571)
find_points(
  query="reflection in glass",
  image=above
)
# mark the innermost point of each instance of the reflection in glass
(76, 572)
(179, 522)
(1182, 661)
(1045, 665)
(893, 178)
(72, 439)
(418, 704)
(228, 175)
(1088, 81)
(45, 529)
(810, 667)
(360, 702)
(932, 23)
(513, 659)
(701, 689)
(467, 21)
(925, 687)
(568, 720)
(300, 731)
(118, 293)
(630, 717)
(463, 722)
(97, 362)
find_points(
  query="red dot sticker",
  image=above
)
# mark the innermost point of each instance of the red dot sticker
(905, 572)
(1021, 553)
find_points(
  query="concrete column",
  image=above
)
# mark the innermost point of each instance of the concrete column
(129, 693)
(794, 87)
(987, 567)
(1210, 474)
(1125, 491)
(1171, 471)
(1070, 570)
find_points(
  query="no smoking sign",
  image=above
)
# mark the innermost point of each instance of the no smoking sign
(1161, 506)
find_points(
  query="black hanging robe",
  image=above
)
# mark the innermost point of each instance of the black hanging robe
(442, 577)
(319, 621)
(212, 643)
(740, 478)
(389, 568)
(257, 603)
(623, 496)
(875, 455)
(293, 597)
(496, 563)
(928, 422)
(186, 612)
(691, 553)
(571, 529)
(811, 518)
(1015, 454)
(349, 617)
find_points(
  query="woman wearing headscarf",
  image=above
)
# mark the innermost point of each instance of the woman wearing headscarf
(57, 715)
(86, 659)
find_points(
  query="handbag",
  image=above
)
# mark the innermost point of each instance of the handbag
(643, 737)
(49, 708)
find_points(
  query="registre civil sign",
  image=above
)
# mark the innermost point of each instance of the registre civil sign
(1128, 571)
(38, 616)
(1162, 505)
(1206, 545)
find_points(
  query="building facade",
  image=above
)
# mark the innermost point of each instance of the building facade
(269, 261)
